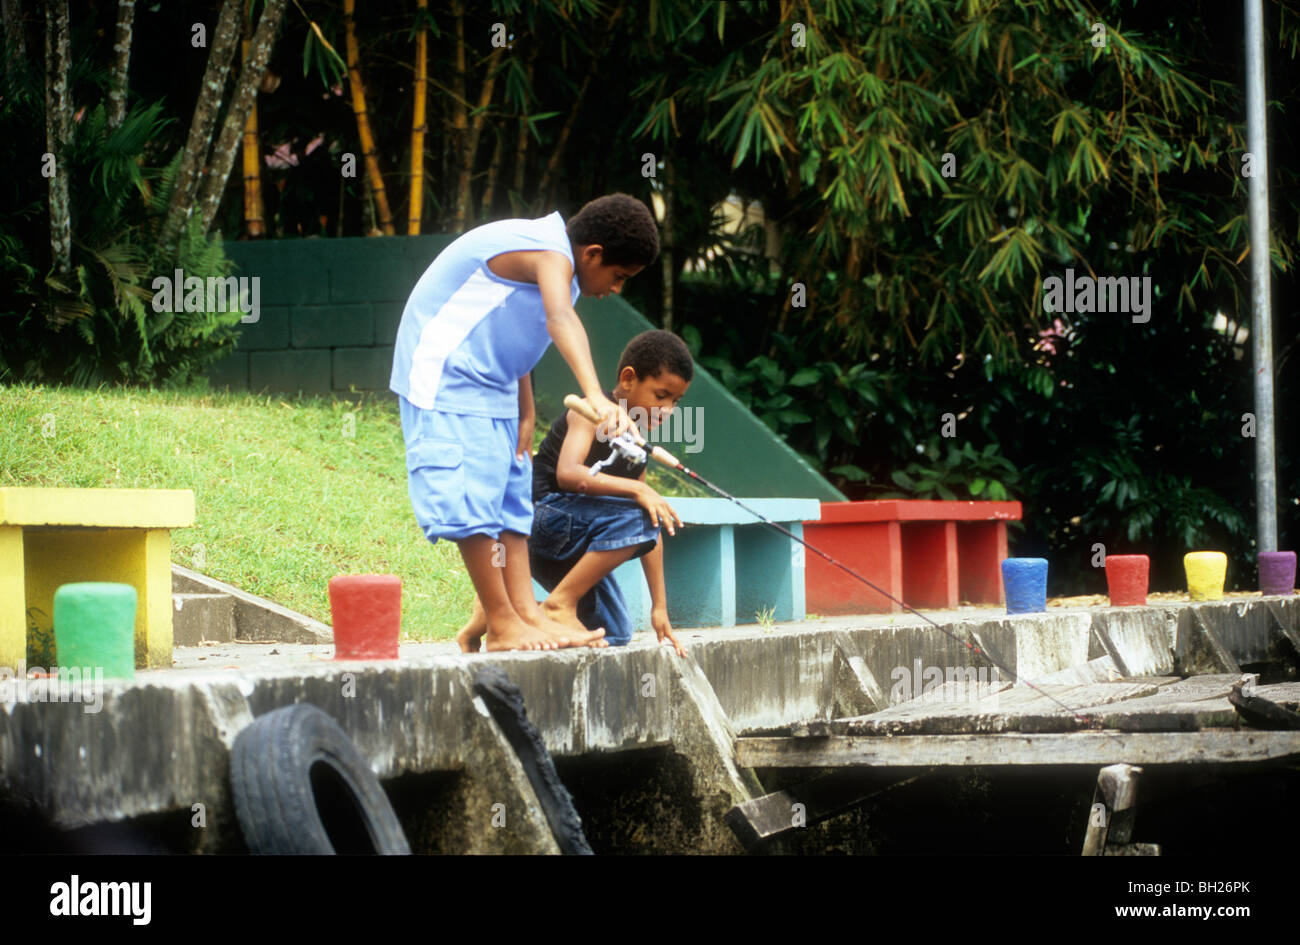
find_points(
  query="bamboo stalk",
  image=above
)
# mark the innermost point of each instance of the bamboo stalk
(466, 169)
(418, 124)
(254, 211)
(549, 178)
(373, 175)
(521, 140)
(494, 172)
(459, 116)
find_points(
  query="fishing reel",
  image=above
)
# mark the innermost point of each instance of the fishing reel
(622, 445)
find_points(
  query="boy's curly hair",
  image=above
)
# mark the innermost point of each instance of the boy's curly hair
(653, 352)
(623, 227)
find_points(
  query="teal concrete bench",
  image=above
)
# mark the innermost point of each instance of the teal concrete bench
(726, 566)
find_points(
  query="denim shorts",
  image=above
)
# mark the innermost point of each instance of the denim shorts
(463, 476)
(566, 526)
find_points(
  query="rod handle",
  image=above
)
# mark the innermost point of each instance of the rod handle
(662, 455)
(579, 405)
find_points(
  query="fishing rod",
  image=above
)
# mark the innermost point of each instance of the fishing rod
(632, 445)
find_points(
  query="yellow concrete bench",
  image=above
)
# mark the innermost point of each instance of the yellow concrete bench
(50, 537)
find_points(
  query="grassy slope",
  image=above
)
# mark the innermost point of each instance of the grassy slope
(288, 491)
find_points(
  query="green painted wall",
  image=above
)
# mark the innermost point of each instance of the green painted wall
(329, 316)
(717, 436)
(329, 312)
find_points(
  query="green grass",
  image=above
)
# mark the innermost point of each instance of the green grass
(289, 491)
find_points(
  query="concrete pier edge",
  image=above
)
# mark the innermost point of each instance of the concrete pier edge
(161, 742)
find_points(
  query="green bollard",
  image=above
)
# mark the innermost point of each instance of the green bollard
(94, 626)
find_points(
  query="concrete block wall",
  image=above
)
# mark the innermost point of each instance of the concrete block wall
(329, 311)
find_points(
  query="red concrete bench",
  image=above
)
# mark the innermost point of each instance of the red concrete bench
(928, 553)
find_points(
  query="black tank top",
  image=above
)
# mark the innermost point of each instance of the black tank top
(548, 456)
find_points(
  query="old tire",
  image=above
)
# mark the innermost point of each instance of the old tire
(506, 704)
(301, 786)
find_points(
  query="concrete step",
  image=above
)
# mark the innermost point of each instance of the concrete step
(255, 618)
(198, 617)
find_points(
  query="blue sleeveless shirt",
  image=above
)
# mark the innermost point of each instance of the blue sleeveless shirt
(467, 335)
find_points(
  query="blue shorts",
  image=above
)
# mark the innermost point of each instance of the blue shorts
(566, 526)
(463, 475)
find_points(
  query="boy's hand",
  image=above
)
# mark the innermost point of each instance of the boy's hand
(664, 630)
(613, 418)
(659, 509)
(525, 448)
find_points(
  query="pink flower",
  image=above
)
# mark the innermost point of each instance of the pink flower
(282, 157)
(1048, 336)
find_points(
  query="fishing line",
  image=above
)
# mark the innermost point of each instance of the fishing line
(666, 458)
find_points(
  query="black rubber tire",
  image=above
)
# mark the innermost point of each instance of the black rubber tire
(506, 703)
(301, 786)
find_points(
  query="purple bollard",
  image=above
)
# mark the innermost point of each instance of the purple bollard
(1277, 572)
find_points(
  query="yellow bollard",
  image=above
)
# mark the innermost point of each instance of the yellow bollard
(1206, 571)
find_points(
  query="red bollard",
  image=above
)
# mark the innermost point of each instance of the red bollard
(1126, 579)
(367, 614)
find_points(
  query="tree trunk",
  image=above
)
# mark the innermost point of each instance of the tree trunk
(546, 189)
(15, 38)
(241, 103)
(58, 132)
(254, 209)
(459, 115)
(416, 209)
(121, 61)
(466, 169)
(195, 153)
(373, 175)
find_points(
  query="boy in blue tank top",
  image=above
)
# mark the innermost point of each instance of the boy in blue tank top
(475, 324)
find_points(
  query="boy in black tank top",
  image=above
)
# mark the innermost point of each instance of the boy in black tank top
(585, 526)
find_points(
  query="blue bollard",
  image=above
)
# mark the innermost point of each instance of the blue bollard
(1025, 580)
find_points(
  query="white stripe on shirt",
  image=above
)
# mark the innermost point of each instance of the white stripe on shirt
(472, 302)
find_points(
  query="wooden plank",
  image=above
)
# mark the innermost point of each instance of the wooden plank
(803, 805)
(1118, 785)
(1285, 694)
(1094, 838)
(1259, 712)
(945, 712)
(1198, 702)
(1073, 748)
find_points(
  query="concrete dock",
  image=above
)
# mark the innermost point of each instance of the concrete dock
(158, 747)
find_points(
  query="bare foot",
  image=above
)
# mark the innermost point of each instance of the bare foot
(562, 624)
(562, 613)
(470, 636)
(518, 635)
